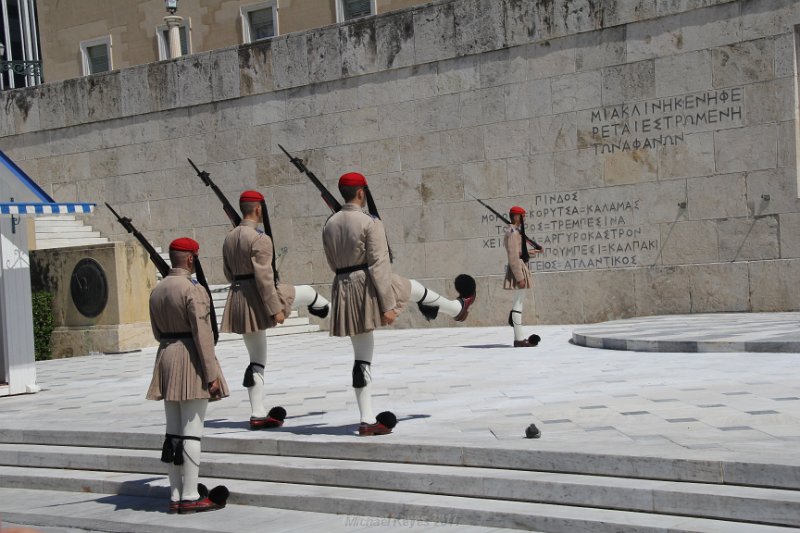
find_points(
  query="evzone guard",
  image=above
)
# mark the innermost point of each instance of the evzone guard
(366, 294)
(186, 375)
(258, 301)
(518, 275)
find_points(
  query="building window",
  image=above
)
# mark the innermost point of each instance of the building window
(96, 55)
(162, 34)
(352, 9)
(259, 21)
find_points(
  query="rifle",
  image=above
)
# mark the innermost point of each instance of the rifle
(536, 245)
(163, 268)
(233, 216)
(327, 197)
(157, 260)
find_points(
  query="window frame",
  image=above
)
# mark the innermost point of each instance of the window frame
(98, 41)
(244, 15)
(340, 10)
(163, 39)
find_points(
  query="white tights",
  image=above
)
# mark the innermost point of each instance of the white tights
(304, 295)
(256, 344)
(363, 348)
(449, 307)
(516, 317)
(185, 419)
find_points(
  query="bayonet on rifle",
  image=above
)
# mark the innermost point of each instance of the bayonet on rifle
(157, 260)
(164, 269)
(327, 197)
(233, 215)
(536, 245)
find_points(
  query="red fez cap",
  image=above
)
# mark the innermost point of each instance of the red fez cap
(185, 244)
(352, 179)
(251, 196)
(516, 210)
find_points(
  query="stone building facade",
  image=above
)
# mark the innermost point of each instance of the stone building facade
(654, 143)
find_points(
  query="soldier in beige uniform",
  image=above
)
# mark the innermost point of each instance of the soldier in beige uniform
(186, 375)
(256, 300)
(366, 294)
(518, 275)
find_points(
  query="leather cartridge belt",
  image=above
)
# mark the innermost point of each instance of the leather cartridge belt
(347, 270)
(244, 277)
(176, 336)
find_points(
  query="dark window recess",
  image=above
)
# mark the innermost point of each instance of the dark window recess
(98, 58)
(357, 8)
(261, 24)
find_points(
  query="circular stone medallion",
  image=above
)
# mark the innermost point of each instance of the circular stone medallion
(89, 288)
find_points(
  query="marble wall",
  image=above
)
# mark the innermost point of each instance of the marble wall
(652, 141)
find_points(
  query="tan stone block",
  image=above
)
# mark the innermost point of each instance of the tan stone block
(608, 294)
(225, 73)
(445, 258)
(779, 185)
(395, 48)
(336, 161)
(268, 108)
(534, 174)
(689, 242)
(598, 49)
(458, 75)
(486, 256)
(723, 196)
(572, 92)
(290, 63)
(662, 291)
(719, 287)
(192, 80)
(463, 145)
(324, 54)
(622, 12)
(528, 99)
(359, 47)
(623, 168)
(559, 297)
(487, 179)
(462, 220)
(628, 82)
(398, 119)
(71, 342)
(747, 240)
(417, 224)
(790, 235)
(434, 33)
(222, 145)
(683, 73)
(770, 101)
(773, 285)
(504, 66)
(551, 58)
(51, 107)
(483, 106)
(694, 157)
(324, 130)
(749, 148)
(479, 26)
(409, 259)
(784, 55)
(419, 81)
(437, 113)
(578, 169)
(421, 151)
(554, 133)
(787, 147)
(506, 139)
(441, 184)
(380, 156)
(685, 32)
(768, 17)
(744, 62)
(396, 189)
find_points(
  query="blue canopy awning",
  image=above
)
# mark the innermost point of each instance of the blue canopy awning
(53, 208)
(26, 197)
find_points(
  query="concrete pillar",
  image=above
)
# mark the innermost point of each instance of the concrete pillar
(173, 24)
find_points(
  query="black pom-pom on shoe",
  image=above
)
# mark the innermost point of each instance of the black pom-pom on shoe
(465, 285)
(534, 339)
(219, 495)
(387, 418)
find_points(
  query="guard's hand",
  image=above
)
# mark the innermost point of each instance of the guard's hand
(521, 283)
(279, 317)
(389, 317)
(213, 387)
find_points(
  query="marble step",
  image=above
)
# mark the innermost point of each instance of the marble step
(48, 243)
(698, 468)
(72, 227)
(769, 506)
(120, 513)
(383, 503)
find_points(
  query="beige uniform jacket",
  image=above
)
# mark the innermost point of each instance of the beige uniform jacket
(516, 270)
(359, 299)
(184, 367)
(254, 301)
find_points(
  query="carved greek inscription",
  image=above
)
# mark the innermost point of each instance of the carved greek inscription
(578, 233)
(664, 121)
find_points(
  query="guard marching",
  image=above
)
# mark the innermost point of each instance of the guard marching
(366, 294)
(518, 275)
(258, 301)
